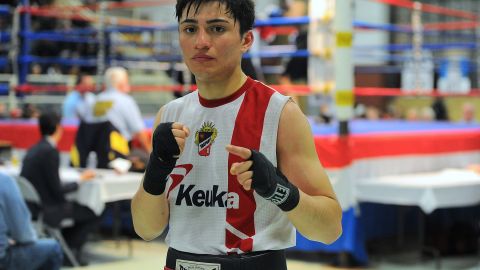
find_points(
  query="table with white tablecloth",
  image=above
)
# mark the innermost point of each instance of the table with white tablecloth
(433, 190)
(107, 186)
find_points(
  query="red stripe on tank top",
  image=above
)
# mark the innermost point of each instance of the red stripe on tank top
(246, 133)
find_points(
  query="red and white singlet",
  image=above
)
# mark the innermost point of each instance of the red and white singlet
(210, 212)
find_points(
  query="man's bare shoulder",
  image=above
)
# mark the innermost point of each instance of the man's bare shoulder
(292, 117)
(294, 131)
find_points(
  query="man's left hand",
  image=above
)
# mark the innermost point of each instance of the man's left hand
(259, 173)
(242, 169)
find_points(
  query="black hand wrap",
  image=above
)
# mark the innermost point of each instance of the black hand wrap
(269, 182)
(163, 158)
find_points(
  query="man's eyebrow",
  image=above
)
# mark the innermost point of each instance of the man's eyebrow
(208, 22)
(189, 21)
(218, 21)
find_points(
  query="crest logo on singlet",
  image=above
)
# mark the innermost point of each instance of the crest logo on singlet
(205, 137)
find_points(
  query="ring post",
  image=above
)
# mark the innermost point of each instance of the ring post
(101, 55)
(343, 64)
(25, 22)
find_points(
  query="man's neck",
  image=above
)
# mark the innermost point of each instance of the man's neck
(52, 140)
(221, 89)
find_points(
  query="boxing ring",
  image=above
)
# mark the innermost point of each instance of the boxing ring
(372, 149)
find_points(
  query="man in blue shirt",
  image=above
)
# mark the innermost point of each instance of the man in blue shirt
(74, 102)
(20, 249)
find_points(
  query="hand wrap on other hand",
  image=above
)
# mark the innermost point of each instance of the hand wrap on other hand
(162, 160)
(270, 183)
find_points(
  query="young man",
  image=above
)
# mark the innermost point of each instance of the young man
(233, 170)
(41, 167)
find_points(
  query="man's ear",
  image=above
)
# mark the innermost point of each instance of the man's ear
(247, 41)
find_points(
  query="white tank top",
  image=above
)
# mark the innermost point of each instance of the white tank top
(210, 213)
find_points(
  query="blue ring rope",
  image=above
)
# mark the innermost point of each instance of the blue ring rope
(5, 37)
(63, 35)
(407, 30)
(4, 88)
(268, 54)
(282, 21)
(263, 54)
(134, 29)
(74, 31)
(147, 45)
(90, 62)
(4, 10)
(3, 62)
(58, 37)
(428, 46)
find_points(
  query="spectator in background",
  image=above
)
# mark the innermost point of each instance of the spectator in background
(15, 113)
(36, 69)
(41, 167)
(3, 111)
(116, 106)
(29, 111)
(19, 246)
(372, 113)
(468, 115)
(297, 67)
(427, 114)
(440, 109)
(411, 114)
(74, 102)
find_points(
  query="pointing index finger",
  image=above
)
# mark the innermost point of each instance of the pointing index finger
(242, 152)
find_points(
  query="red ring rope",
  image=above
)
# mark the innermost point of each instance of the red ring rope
(286, 89)
(432, 9)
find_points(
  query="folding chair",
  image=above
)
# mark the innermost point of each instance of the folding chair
(31, 196)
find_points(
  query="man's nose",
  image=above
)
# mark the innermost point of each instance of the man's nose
(203, 39)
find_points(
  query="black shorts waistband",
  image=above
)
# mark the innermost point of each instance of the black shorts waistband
(260, 260)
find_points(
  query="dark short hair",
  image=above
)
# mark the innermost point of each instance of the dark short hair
(48, 122)
(242, 11)
(80, 78)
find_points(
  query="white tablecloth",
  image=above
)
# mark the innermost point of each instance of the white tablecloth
(429, 191)
(107, 186)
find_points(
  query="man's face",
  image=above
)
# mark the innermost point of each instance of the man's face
(211, 43)
(123, 84)
(88, 81)
(87, 84)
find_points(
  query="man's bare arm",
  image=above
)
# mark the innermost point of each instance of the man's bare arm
(150, 213)
(318, 214)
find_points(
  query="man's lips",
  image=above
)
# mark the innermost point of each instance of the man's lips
(202, 58)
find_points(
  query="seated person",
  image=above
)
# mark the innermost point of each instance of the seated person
(19, 246)
(41, 167)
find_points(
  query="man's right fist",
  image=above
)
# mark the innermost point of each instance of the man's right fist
(168, 142)
(181, 133)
